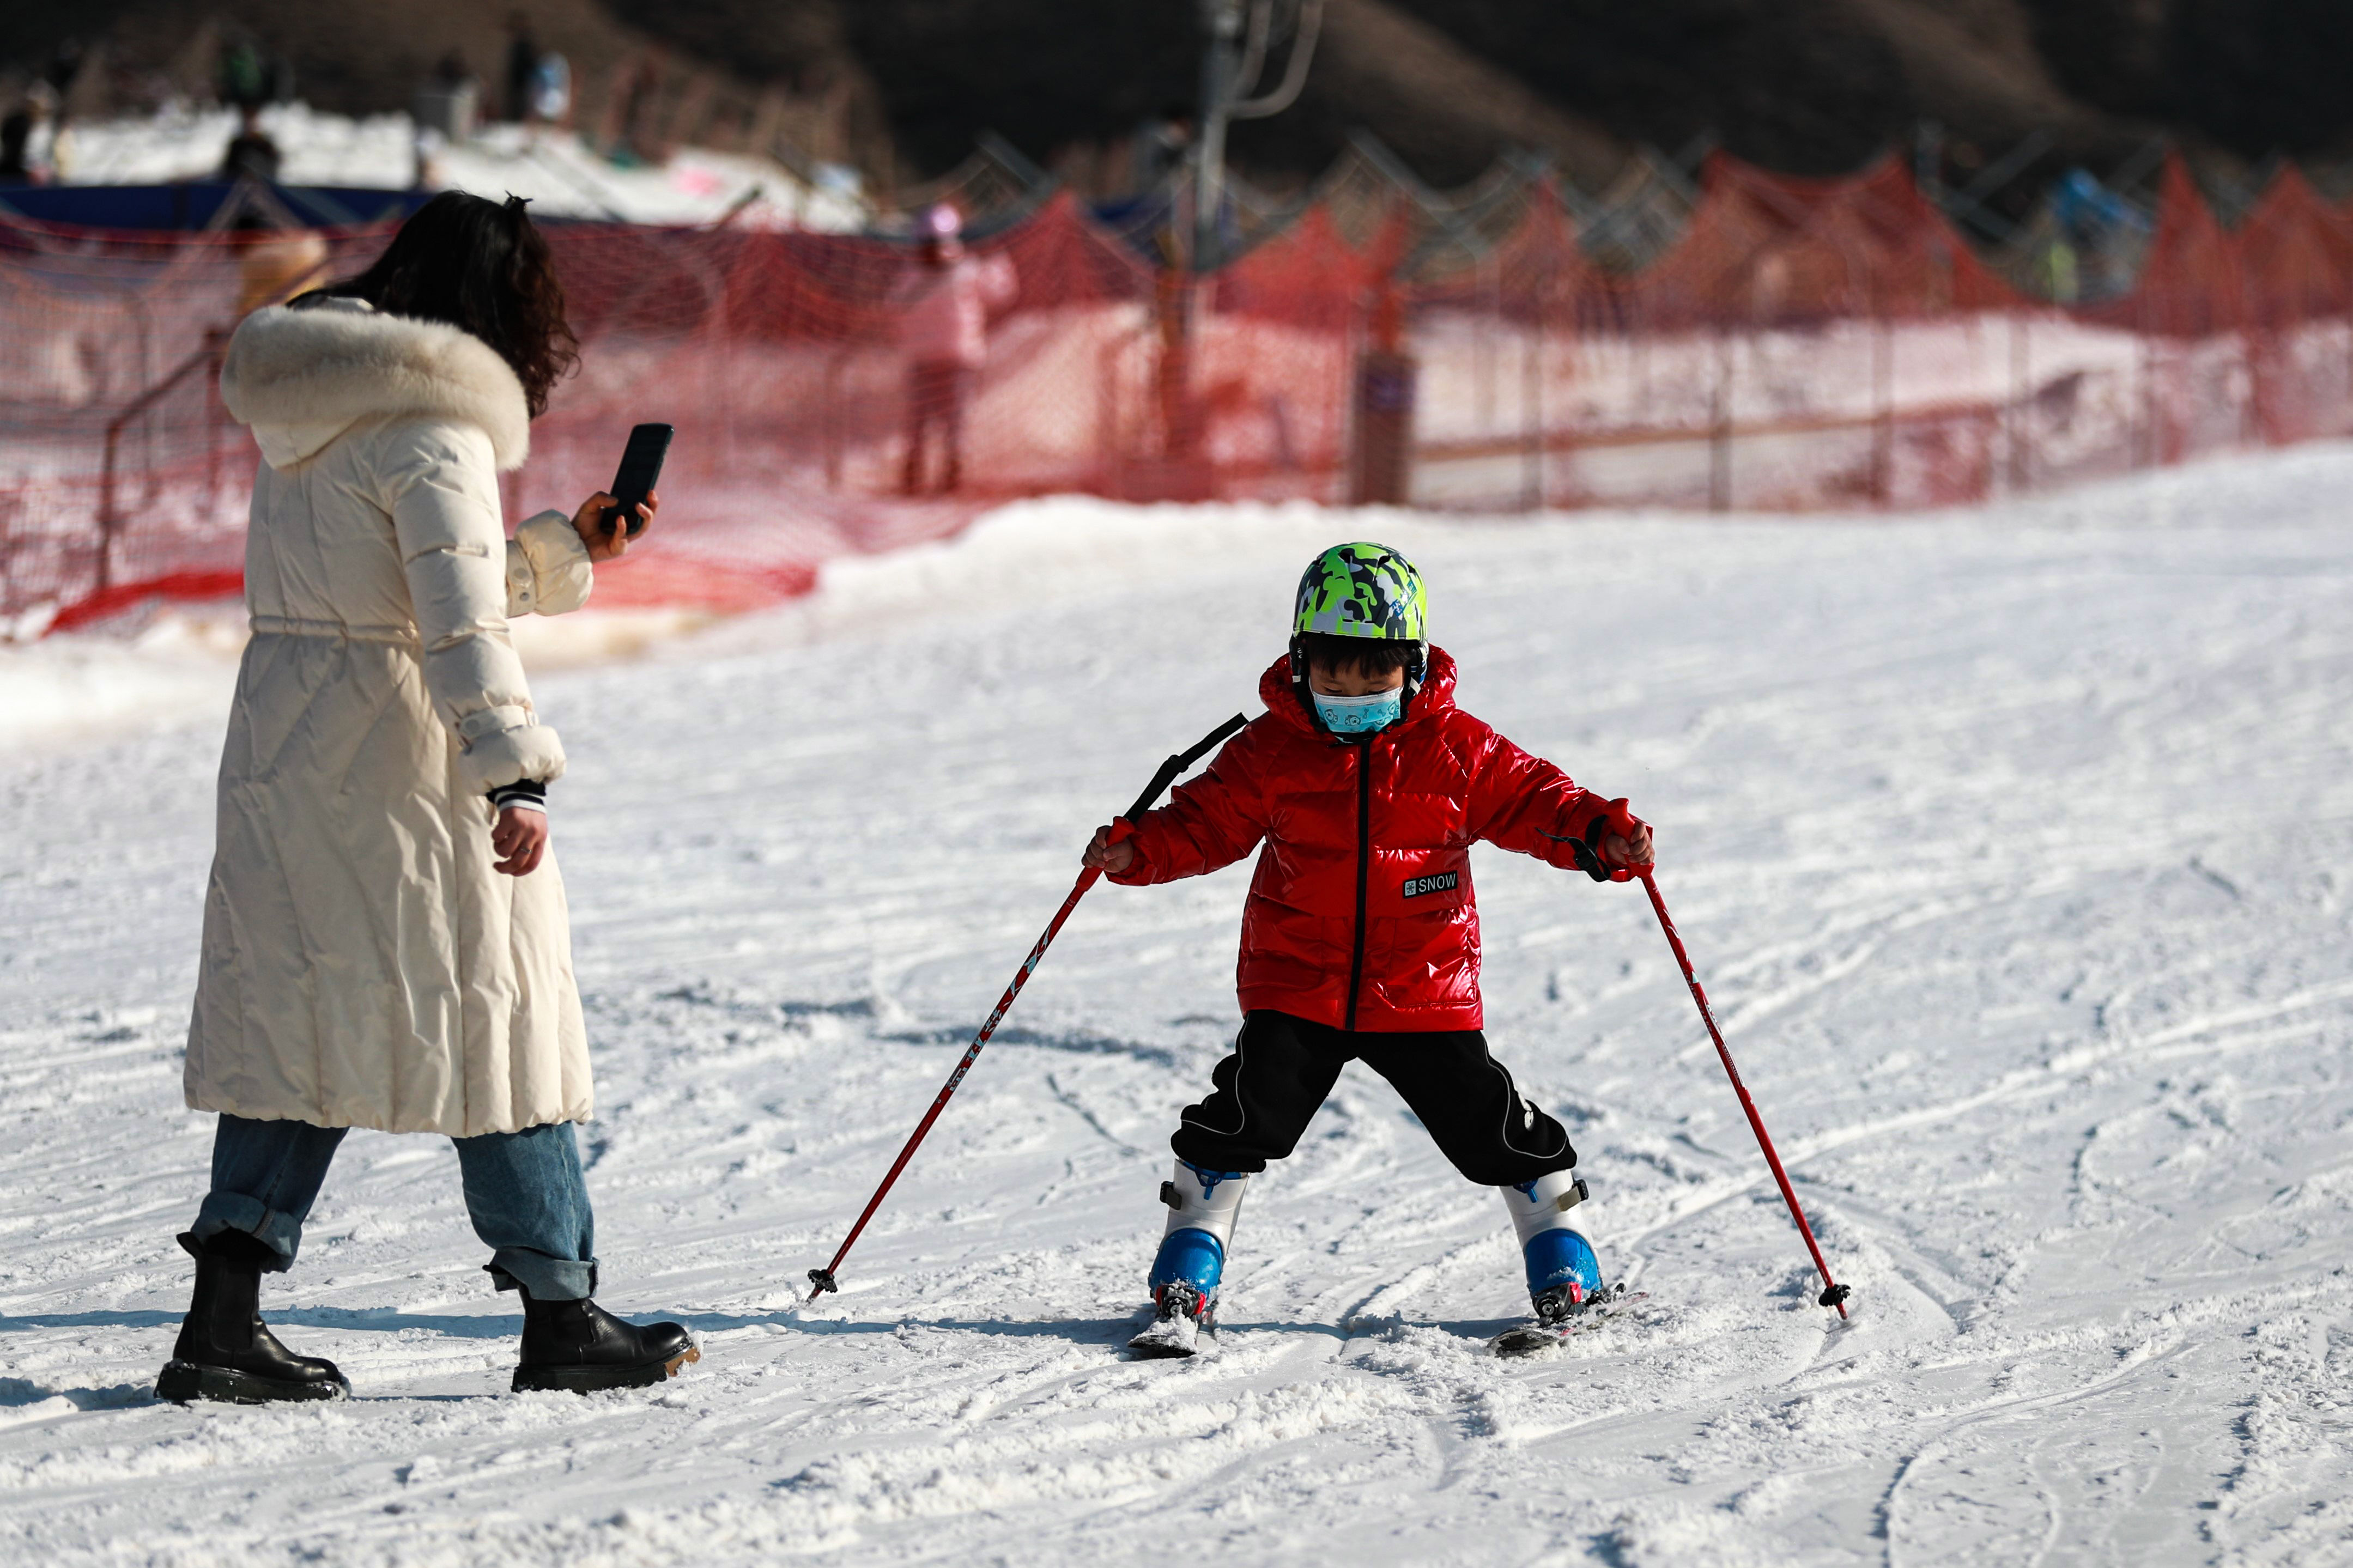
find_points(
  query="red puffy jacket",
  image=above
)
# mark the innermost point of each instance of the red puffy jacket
(1361, 914)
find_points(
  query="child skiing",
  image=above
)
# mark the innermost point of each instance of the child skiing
(1368, 786)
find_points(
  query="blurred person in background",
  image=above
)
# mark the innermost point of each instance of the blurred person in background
(551, 90)
(945, 304)
(1161, 146)
(385, 938)
(55, 154)
(633, 134)
(251, 155)
(451, 98)
(441, 113)
(29, 139)
(244, 75)
(16, 131)
(522, 69)
(64, 67)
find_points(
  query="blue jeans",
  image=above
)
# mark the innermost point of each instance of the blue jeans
(524, 1191)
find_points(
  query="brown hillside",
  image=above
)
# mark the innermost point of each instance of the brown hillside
(368, 56)
(903, 86)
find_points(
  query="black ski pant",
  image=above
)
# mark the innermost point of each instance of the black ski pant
(1282, 1067)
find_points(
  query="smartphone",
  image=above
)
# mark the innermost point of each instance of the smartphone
(641, 464)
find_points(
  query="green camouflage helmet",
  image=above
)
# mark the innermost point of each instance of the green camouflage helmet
(1362, 591)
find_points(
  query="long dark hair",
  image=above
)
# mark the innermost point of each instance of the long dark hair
(483, 266)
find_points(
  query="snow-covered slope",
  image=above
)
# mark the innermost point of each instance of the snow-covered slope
(2016, 848)
(553, 169)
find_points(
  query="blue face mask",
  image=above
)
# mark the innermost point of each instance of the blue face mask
(1360, 715)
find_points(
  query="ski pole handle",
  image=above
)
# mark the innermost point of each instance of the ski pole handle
(1616, 818)
(1619, 818)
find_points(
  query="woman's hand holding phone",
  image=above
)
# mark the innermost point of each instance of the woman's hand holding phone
(609, 543)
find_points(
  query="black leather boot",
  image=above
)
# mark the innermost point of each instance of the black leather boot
(581, 1347)
(226, 1352)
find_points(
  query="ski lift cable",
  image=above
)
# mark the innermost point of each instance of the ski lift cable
(2141, 164)
(1253, 60)
(1017, 164)
(2008, 167)
(1294, 75)
(582, 185)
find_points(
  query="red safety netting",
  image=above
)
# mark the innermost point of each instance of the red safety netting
(2296, 272)
(1797, 343)
(1269, 362)
(1836, 343)
(2240, 335)
(1766, 249)
(783, 359)
(1803, 342)
(110, 424)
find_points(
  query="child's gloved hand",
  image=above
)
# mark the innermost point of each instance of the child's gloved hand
(1618, 849)
(1616, 842)
(1107, 853)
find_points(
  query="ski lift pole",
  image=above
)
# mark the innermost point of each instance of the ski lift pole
(822, 1280)
(1622, 821)
(1221, 20)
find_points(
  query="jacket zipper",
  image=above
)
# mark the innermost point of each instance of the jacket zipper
(1364, 871)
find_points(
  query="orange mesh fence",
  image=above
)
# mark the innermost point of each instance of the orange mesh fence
(786, 361)
(2296, 273)
(1836, 343)
(1273, 357)
(1783, 343)
(1802, 343)
(112, 432)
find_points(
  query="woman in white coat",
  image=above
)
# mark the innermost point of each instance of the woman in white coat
(385, 942)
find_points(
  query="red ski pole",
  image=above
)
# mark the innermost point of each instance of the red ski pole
(821, 1279)
(1834, 1295)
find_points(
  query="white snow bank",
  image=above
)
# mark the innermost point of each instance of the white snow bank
(1040, 553)
(176, 669)
(169, 668)
(553, 169)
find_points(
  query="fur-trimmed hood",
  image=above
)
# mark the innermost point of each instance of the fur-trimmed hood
(303, 376)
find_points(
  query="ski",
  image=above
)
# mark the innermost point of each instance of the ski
(1529, 1338)
(1183, 1325)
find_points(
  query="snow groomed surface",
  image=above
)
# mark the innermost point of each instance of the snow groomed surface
(2014, 847)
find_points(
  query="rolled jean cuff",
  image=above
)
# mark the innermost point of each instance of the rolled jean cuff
(282, 1234)
(541, 1276)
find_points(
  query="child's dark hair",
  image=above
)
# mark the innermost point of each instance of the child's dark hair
(1365, 655)
(483, 266)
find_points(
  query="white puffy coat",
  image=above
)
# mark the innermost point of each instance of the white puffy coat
(363, 965)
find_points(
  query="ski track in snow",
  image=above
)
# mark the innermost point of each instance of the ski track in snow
(2014, 847)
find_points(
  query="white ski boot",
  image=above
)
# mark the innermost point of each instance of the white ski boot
(1564, 1275)
(1203, 1205)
